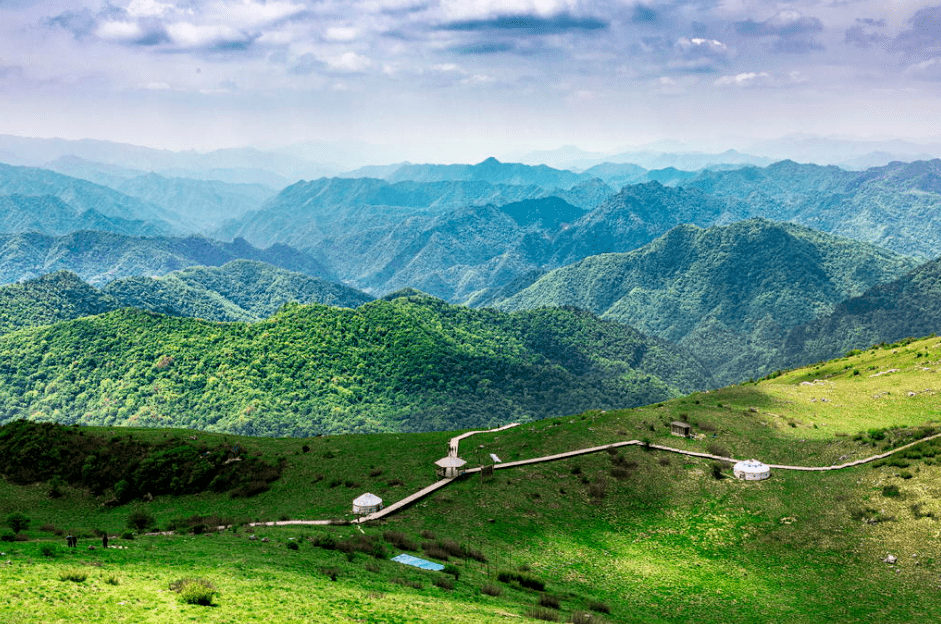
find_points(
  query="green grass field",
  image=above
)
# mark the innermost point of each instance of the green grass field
(654, 537)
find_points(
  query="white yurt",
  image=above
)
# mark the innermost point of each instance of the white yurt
(367, 503)
(751, 470)
(449, 467)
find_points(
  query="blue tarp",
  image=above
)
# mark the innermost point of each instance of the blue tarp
(415, 562)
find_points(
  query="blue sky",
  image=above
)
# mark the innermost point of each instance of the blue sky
(461, 79)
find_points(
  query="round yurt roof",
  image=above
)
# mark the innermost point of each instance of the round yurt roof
(751, 465)
(367, 500)
(450, 462)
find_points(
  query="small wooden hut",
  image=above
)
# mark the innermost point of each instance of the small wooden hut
(680, 428)
(449, 467)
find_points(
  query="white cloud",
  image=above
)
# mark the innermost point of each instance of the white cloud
(119, 31)
(744, 79)
(342, 34)
(190, 35)
(711, 45)
(350, 62)
(148, 8)
(926, 70)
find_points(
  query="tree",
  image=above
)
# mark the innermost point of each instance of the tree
(140, 519)
(18, 521)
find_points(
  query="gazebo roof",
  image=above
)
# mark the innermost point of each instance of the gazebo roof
(450, 462)
(367, 500)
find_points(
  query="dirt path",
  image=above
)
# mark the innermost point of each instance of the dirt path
(455, 442)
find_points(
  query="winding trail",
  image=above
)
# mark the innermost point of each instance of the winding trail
(453, 447)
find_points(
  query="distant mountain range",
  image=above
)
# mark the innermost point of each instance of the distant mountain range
(897, 206)
(729, 294)
(101, 257)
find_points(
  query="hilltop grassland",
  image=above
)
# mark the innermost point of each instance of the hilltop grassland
(640, 535)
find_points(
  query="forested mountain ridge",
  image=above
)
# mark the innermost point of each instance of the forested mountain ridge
(49, 299)
(241, 290)
(727, 293)
(907, 307)
(409, 364)
(101, 257)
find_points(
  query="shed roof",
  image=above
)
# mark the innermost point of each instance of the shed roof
(680, 423)
(367, 500)
(450, 462)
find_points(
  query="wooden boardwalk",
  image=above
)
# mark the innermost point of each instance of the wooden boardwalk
(454, 443)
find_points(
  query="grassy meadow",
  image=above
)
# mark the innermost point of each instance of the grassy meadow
(631, 536)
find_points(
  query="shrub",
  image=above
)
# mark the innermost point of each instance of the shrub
(127, 535)
(524, 580)
(47, 550)
(891, 491)
(582, 617)
(292, 546)
(717, 449)
(548, 601)
(491, 590)
(76, 576)
(435, 551)
(17, 521)
(716, 468)
(140, 519)
(919, 513)
(399, 540)
(598, 490)
(7, 536)
(55, 487)
(375, 472)
(428, 534)
(906, 474)
(414, 584)
(195, 591)
(443, 582)
(112, 580)
(541, 613)
(452, 570)
(599, 607)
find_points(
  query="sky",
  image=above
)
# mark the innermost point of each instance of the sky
(455, 80)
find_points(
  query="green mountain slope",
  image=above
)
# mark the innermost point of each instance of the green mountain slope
(633, 535)
(727, 293)
(241, 290)
(55, 297)
(100, 257)
(413, 363)
(909, 306)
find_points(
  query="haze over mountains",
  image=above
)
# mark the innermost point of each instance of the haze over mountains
(720, 261)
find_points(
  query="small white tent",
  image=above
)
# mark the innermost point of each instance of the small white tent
(367, 503)
(751, 470)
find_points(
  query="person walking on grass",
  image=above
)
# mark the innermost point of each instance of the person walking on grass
(69, 540)
(104, 540)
